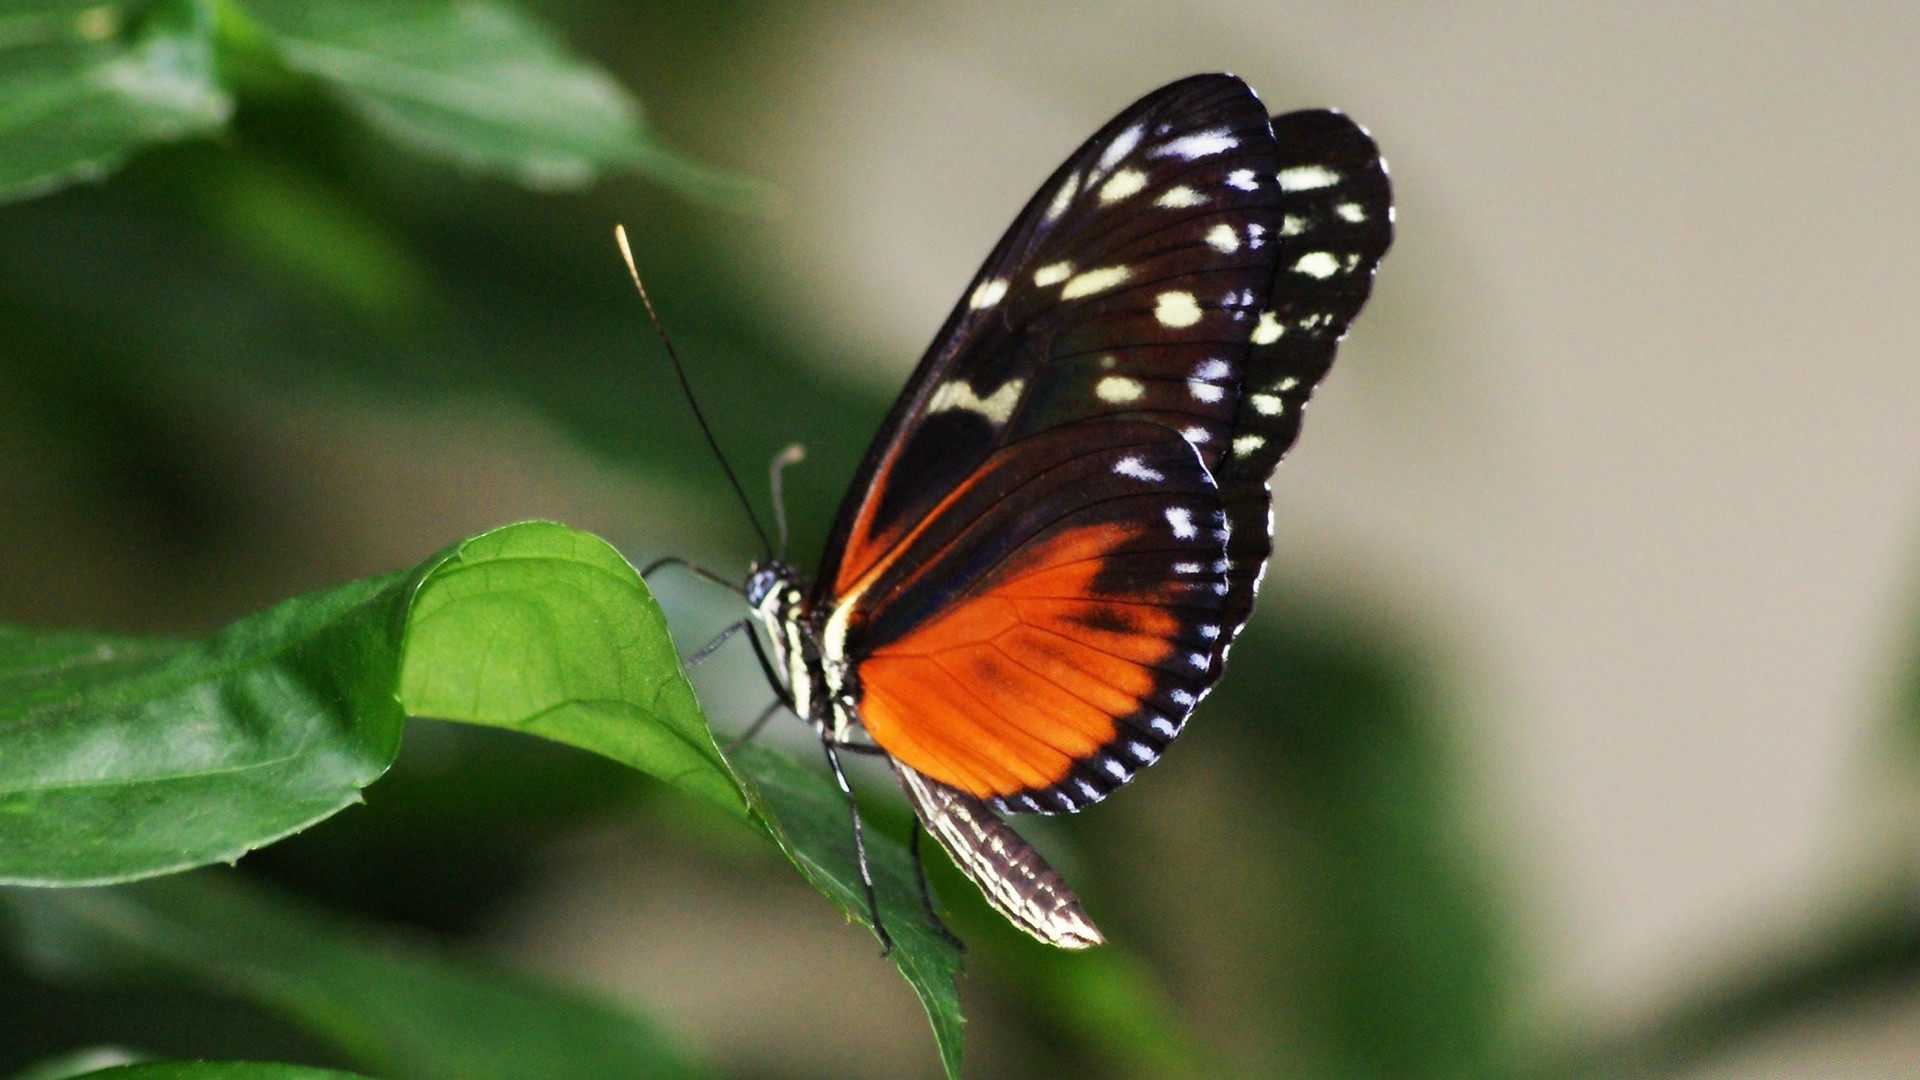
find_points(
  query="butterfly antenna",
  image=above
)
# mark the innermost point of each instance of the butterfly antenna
(626, 253)
(792, 455)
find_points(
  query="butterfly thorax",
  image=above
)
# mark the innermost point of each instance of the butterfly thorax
(778, 593)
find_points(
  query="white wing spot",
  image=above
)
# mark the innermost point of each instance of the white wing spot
(1064, 197)
(1247, 444)
(1199, 661)
(1318, 264)
(1141, 752)
(1180, 197)
(1181, 519)
(1087, 791)
(1119, 390)
(1292, 225)
(1181, 697)
(1132, 466)
(1176, 309)
(1267, 330)
(1114, 768)
(1199, 145)
(1307, 178)
(1212, 369)
(1209, 632)
(1120, 147)
(1186, 568)
(997, 407)
(1351, 211)
(1124, 183)
(988, 293)
(1205, 391)
(1286, 384)
(1222, 239)
(1244, 179)
(1197, 435)
(1268, 404)
(1163, 727)
(1093, 281)
(1254, 234)
(1053, 274)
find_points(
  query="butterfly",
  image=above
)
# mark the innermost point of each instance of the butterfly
(1061, 525)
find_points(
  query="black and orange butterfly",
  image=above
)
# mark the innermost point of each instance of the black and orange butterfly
(1060, 527)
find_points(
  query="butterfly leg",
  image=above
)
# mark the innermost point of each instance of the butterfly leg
(700, 654)
(859, 848)
(926, 893)
(753, 729)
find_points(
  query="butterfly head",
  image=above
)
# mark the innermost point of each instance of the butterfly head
(769, 582)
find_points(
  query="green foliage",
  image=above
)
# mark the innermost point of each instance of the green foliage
(810, 822)
(477, 83)
(219, 1070)
(135, 758)
(539, 629)
(82, 85)
(393, 1007)
(125, 758)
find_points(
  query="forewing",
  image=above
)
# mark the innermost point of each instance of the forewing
(1336, 223)
(1128, 287)
(1041, 635)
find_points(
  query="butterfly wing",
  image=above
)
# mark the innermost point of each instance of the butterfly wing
(1033, 580)
(1104, 297)
(1336, 224)
(1011, 874)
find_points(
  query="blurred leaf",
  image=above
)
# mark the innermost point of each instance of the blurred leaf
(544, 630)
(292, 218)
(125, 758)
(809, 820)
(1387, 938)
(220, 1070)
(393, 1006)
(81, 88)
(78, 1063)
(478, 83)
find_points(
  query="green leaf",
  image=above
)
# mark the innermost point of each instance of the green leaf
(122, 758)
(808, 818)
(550, 632)
(391, 1005)
(82, 86)
(541, 629)
(480, 84)
(131, 758)
(220, 1070)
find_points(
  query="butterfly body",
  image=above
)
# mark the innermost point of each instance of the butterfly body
(1060, 527)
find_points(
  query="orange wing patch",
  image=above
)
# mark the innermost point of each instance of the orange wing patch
(1004, 691)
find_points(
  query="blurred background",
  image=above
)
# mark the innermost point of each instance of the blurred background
(1575, 730)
